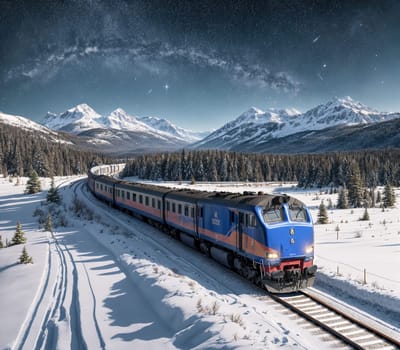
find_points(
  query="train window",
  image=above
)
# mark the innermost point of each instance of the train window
(128, 195)
(110, 190)
(146, 201)
(173, 207)
(298, 214)
(123, 194)
(201, 212)
(251, 220)
(167, 205)
(159, 205)
(117, 193)
(153, 202)
(186, 212)
(134, 197)
(192, 212)
(101, 187)
(140, 199)
(231, 216)
(179, 208)
(97, 185)
(273, 215)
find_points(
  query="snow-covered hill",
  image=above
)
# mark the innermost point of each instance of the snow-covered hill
(22, 122)
(255, 127)
(29, 125)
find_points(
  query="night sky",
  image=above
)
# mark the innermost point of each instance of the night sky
(196, 63)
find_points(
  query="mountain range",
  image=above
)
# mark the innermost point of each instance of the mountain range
(120, 133)
(340, 124)
(260, 131)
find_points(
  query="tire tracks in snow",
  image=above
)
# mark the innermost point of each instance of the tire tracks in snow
(41, 329)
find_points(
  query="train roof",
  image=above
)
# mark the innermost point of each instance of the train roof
(141, 187)
(229, 198)
(105, 179)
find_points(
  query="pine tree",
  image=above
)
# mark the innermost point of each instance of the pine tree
(365, 216)
(378, 197)
(389, 198)
(343, 202)
(19, 235)
(355, 187)
(52, 195)
(33, 185)
(48, 225)
(322, 214)
(25, 258)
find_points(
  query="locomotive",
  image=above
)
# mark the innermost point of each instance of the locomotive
(266, 238)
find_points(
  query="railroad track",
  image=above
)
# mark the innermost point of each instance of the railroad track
(348, 327)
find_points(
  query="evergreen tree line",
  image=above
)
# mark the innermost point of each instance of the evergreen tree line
(22, 151)
(354, 170)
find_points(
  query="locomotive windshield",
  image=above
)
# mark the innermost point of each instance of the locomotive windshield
(297, 213)
(273, 214)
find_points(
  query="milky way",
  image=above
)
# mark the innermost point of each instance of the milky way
(217, 58)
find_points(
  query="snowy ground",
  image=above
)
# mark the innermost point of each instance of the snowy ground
(109, 281)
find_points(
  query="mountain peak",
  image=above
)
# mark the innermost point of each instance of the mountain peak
(74, 120)
(82, 108)
(119, 110)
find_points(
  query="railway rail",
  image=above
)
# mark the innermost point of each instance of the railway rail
(350, 328)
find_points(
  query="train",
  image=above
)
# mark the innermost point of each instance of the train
(266, 238)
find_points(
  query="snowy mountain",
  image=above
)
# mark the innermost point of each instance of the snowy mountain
(74, 120)
(121, 120)
(256, 127)
(118, 133)
(166, 126)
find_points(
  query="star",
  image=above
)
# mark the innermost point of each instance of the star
(166, 87)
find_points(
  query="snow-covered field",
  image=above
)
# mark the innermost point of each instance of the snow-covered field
(107, 280)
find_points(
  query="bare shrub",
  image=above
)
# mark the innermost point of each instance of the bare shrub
(199, 306)
(236, 318)
(214, 308)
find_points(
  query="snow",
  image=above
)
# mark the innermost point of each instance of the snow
(107, 280)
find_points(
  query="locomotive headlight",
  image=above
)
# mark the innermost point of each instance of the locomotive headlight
(309, 249)
(272, 255)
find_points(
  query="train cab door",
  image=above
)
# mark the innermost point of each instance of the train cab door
(200, 219)
(240, 230)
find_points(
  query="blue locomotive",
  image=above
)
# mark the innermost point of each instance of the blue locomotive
(268, 239)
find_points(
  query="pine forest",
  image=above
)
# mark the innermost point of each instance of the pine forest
(358, 168)
(23, 151)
